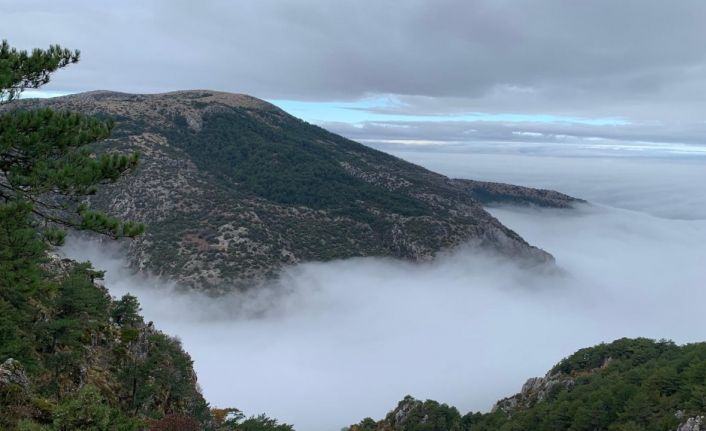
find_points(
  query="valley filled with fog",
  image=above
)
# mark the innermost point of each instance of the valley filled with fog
(335, 342)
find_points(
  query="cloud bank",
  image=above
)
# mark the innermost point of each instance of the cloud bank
(633, 58)
(332, 343)
(635, 140)
(661, 182)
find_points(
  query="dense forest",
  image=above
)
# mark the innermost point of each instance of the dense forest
(627, 385)
(72, 357)
(288, 164)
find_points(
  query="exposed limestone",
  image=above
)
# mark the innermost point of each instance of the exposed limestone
(694, 423)
(13, 373)
(535, 389)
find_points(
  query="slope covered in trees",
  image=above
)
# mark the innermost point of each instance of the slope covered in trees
(627, 385)
(72, 357)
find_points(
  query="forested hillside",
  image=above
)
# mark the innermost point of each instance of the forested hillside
(232, 188)
(72, 357)
(627, 385)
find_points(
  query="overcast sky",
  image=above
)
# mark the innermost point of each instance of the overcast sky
(441, 70)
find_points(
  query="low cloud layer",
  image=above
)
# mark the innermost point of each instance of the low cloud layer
(335, 342)
(658, 182)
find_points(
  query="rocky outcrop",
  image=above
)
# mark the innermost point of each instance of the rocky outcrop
(411, 413)
(538, 389)
(535, 390)
(403, 410)
(694, 423)
(12, 373)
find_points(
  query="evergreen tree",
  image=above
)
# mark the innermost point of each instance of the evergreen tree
(126, 311)
(45, 156)
(46, 172)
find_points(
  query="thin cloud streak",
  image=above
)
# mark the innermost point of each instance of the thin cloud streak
(684, 137)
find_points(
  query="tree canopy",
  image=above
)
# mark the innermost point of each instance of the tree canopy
(626, 385)
(46, 162)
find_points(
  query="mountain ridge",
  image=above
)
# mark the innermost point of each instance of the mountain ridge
(232, 188)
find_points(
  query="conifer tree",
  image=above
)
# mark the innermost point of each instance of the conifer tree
(46, 162)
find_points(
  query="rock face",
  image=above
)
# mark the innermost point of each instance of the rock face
(535, 390)
(695, 423)
(232, 188)
(401, 413)
(12, 373)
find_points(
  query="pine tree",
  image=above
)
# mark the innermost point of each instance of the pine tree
(55, 323)
(46, 171)
(45, 156)
(126, 311)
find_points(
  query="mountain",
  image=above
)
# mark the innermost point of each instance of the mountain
(232, 188)
(627, 385)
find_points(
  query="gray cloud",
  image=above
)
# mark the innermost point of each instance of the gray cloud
(344, 340)
(632, 58)
(635, 140)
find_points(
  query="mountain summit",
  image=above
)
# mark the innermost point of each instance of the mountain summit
(232, 188)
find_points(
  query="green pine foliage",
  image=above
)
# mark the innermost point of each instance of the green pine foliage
(77, 358)
(45, 156)
(260, 423)
(289, 164)
(629, 384)
(20, 69)
(89, 358)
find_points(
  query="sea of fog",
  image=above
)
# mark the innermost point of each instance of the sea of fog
(335, 342)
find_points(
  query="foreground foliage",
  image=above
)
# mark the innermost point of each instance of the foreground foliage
(84, 369)
(72, 357)
(627, 385)
(45, 156)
